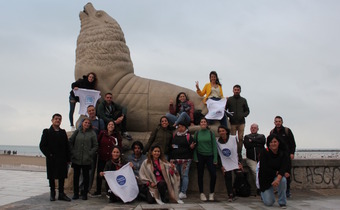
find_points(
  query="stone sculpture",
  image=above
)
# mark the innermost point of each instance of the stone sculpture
(101, 48)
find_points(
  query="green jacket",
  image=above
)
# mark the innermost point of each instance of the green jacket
(83, 146)
(160, 136)
(240, 109)
(205, 144)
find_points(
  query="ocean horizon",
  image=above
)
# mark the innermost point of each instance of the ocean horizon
(300, 153)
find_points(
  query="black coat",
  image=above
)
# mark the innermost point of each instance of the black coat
(54, 145)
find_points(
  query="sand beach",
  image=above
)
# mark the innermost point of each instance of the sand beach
(22, 162)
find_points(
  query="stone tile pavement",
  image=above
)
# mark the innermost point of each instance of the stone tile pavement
(29, 190)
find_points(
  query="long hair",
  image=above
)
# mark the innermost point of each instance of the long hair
(217, 79)
(178, 102)
(161, 157)
(94, 78)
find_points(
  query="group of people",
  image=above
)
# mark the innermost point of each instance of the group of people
(161, 167)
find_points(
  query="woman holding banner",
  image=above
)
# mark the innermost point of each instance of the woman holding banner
(212, 92)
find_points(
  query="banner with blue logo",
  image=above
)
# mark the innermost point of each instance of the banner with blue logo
(123, 183)
(86, 97)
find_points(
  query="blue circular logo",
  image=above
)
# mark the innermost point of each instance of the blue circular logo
(226, 152)
(121, 180)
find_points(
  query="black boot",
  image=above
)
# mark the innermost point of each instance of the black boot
(63, 197)
(52, 195)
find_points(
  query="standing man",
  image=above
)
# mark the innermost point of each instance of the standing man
(287, 138)
(108, 110)
(54, 145)
(238, 110)
(254, 144)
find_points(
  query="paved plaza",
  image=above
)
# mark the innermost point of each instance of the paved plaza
(29, 190)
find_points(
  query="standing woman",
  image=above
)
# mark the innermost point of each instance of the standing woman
(227, 149)
(182, 146)
(273, 172)
(205, 153)
(88, 81)
(213, 91)
(84, 145)
(160, 176)
(161, 136)
(182, 111)
(107, 140)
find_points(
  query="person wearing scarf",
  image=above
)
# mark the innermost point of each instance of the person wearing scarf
(161, 177)
(181, 152)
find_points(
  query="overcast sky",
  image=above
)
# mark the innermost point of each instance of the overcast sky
(284, 54)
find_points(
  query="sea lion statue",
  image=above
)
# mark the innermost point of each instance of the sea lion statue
(101, 48)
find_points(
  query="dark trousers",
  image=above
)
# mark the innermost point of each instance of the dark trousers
(60, 185)
(100, 168)
(72, 108)
(228, 179)
(209, 161)
(162, 189)
(85, 170)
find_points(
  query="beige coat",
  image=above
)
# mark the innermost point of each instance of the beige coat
(172, 181)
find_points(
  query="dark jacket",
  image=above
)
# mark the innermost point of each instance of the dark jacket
(286, 136)
(160, 136)
(254, 144)
(240, 109)
(82, 83)
(270, 165)
(110, 112)
(180, 147)
(54, 145)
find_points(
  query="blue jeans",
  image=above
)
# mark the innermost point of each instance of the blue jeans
(268, 196)
(183, 117)
(183, 170)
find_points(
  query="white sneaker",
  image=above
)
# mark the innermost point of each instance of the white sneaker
(211, 196)
(159, 201)
(180, 201)
(202, 197)
(182, 195)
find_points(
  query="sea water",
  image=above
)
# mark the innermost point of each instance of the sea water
(300, 153)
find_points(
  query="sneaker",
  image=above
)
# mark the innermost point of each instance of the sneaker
(230, 198)
(211, 197)
(95, 194)
(180, 202)
(288, 194)
(283, 206)
(127, 136)
(182, 195)
(202, 197)
(159, 201)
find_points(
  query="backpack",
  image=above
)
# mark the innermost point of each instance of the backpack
(187, 134)
(241, 184)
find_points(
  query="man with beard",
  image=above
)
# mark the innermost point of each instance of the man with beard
(238, 110)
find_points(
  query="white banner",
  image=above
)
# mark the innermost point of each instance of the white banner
(215, 109)
(86, 97)
(123, 183)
